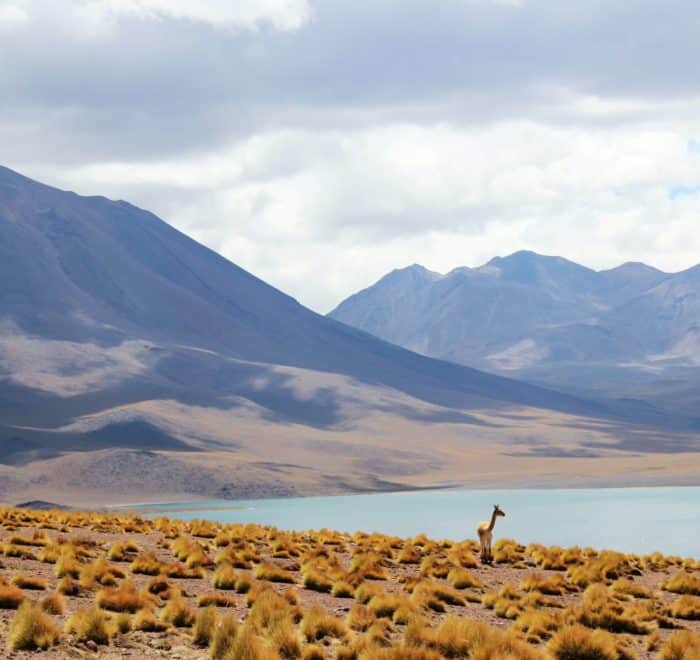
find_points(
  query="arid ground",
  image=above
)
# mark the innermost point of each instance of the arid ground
(125, 586)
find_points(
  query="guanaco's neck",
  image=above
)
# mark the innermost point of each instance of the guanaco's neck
(493, 521)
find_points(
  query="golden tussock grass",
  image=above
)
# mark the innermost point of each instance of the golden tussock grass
(224, 577)
(124, 598)
(54, 603)
(605, 567)
(215, 599)
(317, 624)
(29, 582)
(360, 617)
(204, 626)
(273, 573)
(11, 597)
(146, 621)
(223, 637)
(68, 586)
(90, 625)
(31, 629)
(122, 622)
(316, 581)
(461, 578)
(686, 607)
(554, 585)
(178, 612)
(600, 610)
(683, 583)
(20, 551)
(681, 645)
(123, 551)
(343, 589)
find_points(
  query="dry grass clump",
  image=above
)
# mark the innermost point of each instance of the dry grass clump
(683, 583)
(554, 585)
(90, 625)
(579, 643)
(605, 567)
(681, 645)
(67, 564)
(54, 603)
(31, 629)
(317, 624)
(178, 612)
(342, 589)
(224, 577)
(505, 602)
(508, 551)
(461, 578)
(124, 598)
(360, 617)
(273, 573)
(224, 636)
(316, 581)
(686, 607)
(11, 597)
(204, 626)
(29, 582)
(146, 621)
(19, 551)
(215, 599)
(627, 587)
(123, 551)
(599, 610)
(410, 554)
(68, 587)
(146, 564)
(537, 624)
(100, 572)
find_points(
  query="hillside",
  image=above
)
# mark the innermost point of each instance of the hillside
(632, 331)
(138, 363)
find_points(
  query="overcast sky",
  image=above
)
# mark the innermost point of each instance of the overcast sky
(320, 144)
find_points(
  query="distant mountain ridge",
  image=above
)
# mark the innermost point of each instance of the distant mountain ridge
(539, 318)
(137, 363)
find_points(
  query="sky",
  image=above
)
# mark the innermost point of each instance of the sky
(320, 144)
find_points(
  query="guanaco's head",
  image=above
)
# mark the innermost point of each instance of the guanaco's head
(498, 511)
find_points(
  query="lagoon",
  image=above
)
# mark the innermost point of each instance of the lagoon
(639, 520)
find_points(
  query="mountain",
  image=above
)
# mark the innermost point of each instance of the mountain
(547, 320)
(136, 363)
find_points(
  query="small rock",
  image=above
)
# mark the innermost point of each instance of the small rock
(91, 646)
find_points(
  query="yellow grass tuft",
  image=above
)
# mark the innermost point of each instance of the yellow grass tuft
(31, 629)
(124, 598)
(224, 577)
(89, 625)
(681, 645)
(223, 638)
(54, 603)
(461, 578)
(29, 582)
(204, 626)
(273, 573)
(317, 624)
(11, 597)
(215, 599)
(683, 583)
(686, 607)
(178, 612)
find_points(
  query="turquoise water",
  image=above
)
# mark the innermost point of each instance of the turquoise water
(637, 520)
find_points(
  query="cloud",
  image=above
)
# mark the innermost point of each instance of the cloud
(321, 144)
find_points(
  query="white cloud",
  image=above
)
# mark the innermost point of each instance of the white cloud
(322, 214)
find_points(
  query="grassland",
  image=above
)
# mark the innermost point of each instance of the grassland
(84, 584)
